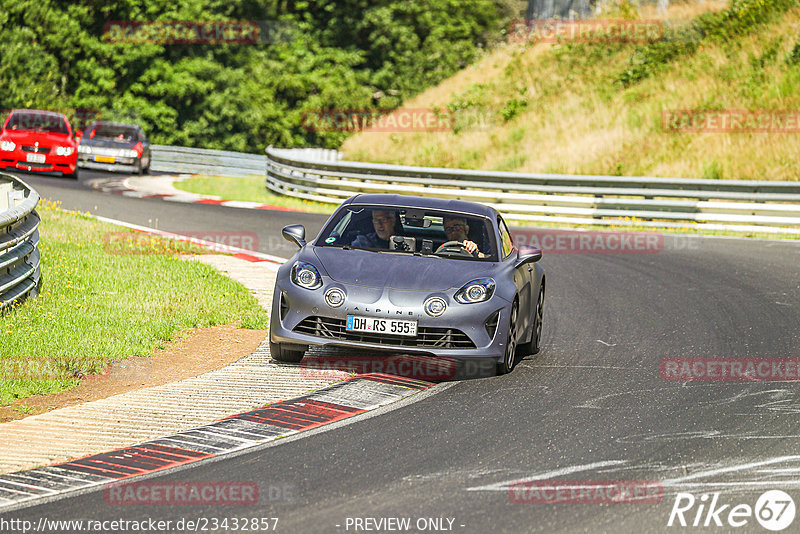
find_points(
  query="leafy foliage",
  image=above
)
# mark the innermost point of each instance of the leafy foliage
(348, 54)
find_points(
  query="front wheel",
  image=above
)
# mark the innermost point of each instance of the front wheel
(74, 175)
(283, 353)
(509, 357)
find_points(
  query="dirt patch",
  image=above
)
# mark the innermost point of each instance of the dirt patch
(192, 353)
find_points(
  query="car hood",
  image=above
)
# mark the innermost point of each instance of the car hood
(45, 139)
(397, 271)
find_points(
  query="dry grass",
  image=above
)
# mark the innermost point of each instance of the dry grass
(578, 121)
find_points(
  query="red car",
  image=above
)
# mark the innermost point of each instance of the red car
(35, 140)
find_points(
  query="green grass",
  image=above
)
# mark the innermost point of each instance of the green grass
(108, 295)
(249, 188)
(600, 107)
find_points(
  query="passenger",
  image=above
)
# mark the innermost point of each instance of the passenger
(386, 224)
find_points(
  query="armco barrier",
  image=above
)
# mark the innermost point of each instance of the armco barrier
(181, 160)
(19, 238)
(738, 205)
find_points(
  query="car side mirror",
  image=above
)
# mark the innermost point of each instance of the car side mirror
(296, 233)
(528, 254)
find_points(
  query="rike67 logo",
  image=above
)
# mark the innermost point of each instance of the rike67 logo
(774, 510)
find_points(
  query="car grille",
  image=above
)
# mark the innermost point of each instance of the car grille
(441, 338)
(40, 150)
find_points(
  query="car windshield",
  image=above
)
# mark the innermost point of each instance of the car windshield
(37, 122)
(408, 230)
(114, 132)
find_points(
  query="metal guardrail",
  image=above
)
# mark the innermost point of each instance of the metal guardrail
(20, 273)
(181, 160)
(738, 205)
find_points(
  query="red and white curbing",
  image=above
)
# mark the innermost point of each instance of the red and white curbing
(165, 191)
(339, 401)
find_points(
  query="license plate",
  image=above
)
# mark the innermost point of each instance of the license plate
(104, 159)
(34, 158)
(394, 327)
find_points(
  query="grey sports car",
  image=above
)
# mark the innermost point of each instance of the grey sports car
(413, 275)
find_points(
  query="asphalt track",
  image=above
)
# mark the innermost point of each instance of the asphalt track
(591, 406)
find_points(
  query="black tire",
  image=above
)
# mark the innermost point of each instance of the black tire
(283, 353)
(510, 357)
(139, 168)
(74, 175)
(534, 345)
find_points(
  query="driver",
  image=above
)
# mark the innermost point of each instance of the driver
(384, 222)
(456, 229)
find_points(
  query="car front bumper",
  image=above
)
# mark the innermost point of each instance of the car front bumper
(111, 167)
(17, 159)
(463, 332)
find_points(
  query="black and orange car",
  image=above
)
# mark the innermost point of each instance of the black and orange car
(36, 140)
(115, 146)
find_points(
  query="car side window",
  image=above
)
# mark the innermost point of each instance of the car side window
(505, 238)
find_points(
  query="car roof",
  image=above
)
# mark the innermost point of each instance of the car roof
(117, 124)
(39, 112)
(443, 204)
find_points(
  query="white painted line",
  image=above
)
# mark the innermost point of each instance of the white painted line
(186, 199)
(135, 194)
(722, 470)
(178, 237)
(242, 204)
(16, 483)
(504, 486)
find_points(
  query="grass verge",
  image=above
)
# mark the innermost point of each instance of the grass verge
(600, 107)
(106, 297)
(250, 189)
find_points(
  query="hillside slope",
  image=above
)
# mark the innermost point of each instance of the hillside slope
(600, 108)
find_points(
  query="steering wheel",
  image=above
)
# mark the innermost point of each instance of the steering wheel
(454, 246)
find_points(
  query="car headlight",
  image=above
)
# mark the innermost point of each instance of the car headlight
(478, 290)
(85, 149)
(7, 146)
(63, 151)
(306, 275)
(435, 306)
(334, 297)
